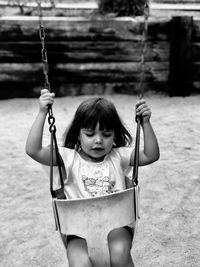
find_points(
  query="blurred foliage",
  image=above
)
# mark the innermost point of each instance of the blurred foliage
(121, 7)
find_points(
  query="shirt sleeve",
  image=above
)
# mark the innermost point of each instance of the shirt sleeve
(67, 156)
(125, 157)
(125, 154)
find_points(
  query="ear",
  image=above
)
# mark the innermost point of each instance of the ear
(114, 142)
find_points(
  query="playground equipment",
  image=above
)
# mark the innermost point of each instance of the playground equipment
(94, 218)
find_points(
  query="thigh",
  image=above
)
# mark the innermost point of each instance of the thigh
(77, 246)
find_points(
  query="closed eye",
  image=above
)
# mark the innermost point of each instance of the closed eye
(89, 134)
(107, 134)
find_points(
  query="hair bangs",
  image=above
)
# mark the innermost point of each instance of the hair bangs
(98, 115)
(91, 112)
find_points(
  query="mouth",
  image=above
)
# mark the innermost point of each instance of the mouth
(98, 149)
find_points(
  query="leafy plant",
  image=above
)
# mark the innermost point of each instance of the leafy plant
(122, 7)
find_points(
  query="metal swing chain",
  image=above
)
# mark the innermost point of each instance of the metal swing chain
(144, 48)
(43, 51)
(141, 91)
(58, 193)
(51, 118)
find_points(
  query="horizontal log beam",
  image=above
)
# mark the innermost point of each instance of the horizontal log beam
(80, 5)
(175, 6)
(93, 5)
(88, 51)
(81, 73)
(80, 29)
(31, 89)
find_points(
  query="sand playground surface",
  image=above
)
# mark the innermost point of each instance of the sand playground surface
(169, 229)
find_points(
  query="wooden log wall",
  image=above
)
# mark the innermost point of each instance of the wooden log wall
(176, 1)
(86, 56)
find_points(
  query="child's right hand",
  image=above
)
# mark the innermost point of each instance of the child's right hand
(45, 100)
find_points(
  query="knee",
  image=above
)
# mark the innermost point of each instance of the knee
(119, 254)
(120, 243)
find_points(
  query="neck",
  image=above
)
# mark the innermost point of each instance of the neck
(87, 157)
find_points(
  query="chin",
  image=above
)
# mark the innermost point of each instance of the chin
(98, 155)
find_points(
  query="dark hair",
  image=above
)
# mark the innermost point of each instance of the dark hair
(88, 114)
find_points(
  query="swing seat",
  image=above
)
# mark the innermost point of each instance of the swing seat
(94, 218)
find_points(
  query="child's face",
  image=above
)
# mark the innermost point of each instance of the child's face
(96, 143)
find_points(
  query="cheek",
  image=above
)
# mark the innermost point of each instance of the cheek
(84, 141)
(109, 143)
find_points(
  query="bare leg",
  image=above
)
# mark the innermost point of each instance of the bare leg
(120, 243)
(77, 253)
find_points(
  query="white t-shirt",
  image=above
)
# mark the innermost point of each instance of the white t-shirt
(89, 179)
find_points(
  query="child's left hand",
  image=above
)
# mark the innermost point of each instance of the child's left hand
(142, 109)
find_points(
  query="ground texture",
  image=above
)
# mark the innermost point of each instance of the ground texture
(168, 233)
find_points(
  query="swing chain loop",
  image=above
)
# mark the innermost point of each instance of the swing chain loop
(51, 121)
(47, 85)
(42, 32)
(44, 55)
(51, 118)
(146, 10)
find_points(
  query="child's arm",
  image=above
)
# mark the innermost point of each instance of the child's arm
(150, 153)
(34, 146)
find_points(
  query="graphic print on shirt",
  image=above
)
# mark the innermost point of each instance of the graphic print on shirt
(96, 179)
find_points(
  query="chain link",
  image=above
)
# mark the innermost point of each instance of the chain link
(43, 50)
(143, 49)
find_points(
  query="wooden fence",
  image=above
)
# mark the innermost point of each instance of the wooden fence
(88, 56)
(176, 1)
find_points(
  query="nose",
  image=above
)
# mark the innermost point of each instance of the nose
(98, 139)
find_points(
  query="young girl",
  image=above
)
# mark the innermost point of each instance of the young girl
(96, 156)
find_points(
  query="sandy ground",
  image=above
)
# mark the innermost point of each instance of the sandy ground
(168, 233)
